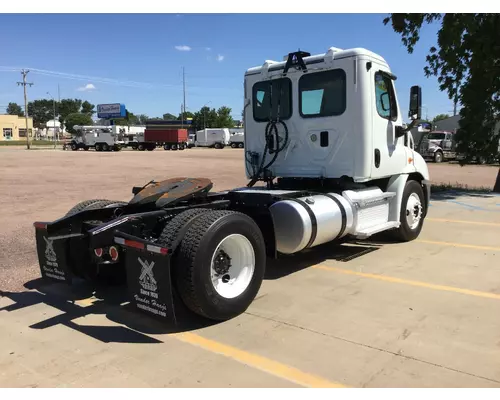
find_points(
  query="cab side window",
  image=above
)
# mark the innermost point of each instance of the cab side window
(385, 98)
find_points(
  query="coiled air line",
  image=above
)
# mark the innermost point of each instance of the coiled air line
(272, 137)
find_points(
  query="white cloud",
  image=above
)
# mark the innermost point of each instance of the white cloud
(220, 57)
(87, 87)
(208, 48)
(183, 48)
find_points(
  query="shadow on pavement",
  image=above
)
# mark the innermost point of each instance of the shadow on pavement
(112, 302)
(341, 252)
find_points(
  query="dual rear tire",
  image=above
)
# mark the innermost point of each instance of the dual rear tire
(219, 262)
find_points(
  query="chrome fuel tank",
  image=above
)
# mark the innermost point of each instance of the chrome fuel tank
(310, 221)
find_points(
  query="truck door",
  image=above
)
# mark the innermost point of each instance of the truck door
(391, 154)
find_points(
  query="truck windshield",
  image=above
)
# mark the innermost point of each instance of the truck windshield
(268, 95)
(436, 136)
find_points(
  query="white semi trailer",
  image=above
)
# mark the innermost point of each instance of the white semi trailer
(213, 137)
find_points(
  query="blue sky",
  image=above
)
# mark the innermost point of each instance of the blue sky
(109, 51)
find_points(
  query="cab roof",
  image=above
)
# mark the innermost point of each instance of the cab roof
(334, 52)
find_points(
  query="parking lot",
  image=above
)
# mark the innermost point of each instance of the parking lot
(364, 314)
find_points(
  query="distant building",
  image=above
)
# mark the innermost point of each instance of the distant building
(13, 127)
(449, 124)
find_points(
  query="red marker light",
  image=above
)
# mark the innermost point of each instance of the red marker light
(137, 245)
(113, 252)
(98, 252)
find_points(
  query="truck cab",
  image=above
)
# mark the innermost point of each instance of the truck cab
(339, 116)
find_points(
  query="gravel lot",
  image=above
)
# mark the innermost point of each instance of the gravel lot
(44, 184)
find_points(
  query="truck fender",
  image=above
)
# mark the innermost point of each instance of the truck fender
(396, 185)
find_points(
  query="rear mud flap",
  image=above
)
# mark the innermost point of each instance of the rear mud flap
(148, 276)
(53, 255)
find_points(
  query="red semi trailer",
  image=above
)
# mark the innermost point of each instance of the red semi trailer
(169, 139)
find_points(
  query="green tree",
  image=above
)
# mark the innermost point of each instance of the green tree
(15, 109)
(187, 114)
(440, 117)
(224, 118)
(88, 108)
(41, 111)
(465, 61)
(129, 120)
(205, 118)
(67, 107)
(142, 118)
(169, 117)
(77, 119)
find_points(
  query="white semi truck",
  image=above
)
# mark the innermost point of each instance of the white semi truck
(328, 158)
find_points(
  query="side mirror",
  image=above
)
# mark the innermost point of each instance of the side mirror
(415, 109)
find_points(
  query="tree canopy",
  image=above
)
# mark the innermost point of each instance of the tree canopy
(466, 62)
(15, 109)
(77, 119)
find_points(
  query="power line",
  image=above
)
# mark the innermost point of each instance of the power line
(24, 84)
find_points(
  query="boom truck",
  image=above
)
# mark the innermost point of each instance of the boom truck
(328, 158)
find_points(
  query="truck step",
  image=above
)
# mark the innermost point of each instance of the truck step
(363, 234)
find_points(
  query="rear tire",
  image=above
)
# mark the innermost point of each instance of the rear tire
(105, 147)
(241, 145)
(220, 264)
(174, 147)
(74, 147)
(97, 147)
(166, 147)
(82, 206)
(412, 212)
(234, 145)
(141, 147)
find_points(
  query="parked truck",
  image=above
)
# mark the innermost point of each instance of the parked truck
(338, 165)
(213, 137)
(237, 140)
(169, 139)
(100, 138)
(438, 146)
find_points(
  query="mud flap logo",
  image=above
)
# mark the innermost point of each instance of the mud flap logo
(50, 254)
(147, 279)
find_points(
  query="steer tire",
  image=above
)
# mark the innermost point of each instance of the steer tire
(406, 233)
(192, 264)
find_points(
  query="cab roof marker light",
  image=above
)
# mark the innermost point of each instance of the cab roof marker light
(40, 225)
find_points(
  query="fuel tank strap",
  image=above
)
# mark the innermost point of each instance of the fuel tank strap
(342, 213)
(314, 222)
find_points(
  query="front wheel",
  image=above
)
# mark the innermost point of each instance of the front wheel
(412, 212)
(220, 264)
(438, 157)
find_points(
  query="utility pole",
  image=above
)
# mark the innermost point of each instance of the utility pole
(54, 120)
(183, 96)
(24, 83)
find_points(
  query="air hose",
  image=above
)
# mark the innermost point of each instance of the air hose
(272, 138)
